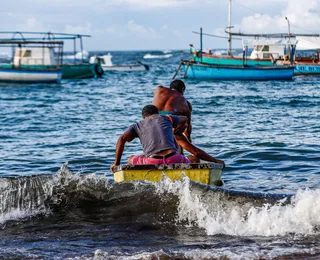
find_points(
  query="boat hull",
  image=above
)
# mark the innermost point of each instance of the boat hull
(307, 69)
(30, 76)
(230, 60)
(301, 68)
(236, 72)
(206, 173)
(79, 71)
(129, 67)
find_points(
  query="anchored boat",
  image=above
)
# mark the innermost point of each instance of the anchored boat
(236, 72)
(75, 68)
(34, 61)
(206, 173)
(232, 69)
(277, 48)
(107, 64)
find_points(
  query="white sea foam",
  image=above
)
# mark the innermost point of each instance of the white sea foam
(151, 56)
(217, 215)
(244, 253)
(26, 196)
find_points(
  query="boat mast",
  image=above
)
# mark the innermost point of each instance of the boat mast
(229, 30)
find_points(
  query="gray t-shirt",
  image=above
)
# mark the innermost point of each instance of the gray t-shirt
(155, 133)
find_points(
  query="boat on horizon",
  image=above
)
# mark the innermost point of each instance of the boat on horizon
(107, 65)
(157, 56)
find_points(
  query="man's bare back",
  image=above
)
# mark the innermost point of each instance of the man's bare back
(172, 101)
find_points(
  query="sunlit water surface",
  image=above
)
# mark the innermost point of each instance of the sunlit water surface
(266, 132)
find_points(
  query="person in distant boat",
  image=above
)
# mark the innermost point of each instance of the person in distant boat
(156, 134)
(170, 101)
(196, 152)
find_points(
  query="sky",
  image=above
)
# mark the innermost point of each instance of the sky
(158, 24)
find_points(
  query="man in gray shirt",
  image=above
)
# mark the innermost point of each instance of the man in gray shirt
(156, 136)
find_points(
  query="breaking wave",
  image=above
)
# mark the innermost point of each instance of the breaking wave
(215, 210)
(152, 56)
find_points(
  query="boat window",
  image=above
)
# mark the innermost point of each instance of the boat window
(266, 55)
(27, 54)
(258, 47)
(265, 48)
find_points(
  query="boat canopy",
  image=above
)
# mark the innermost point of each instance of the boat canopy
(255, 42)
(308, 43)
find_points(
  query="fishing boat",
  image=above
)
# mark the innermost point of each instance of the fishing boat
(107, 65)
(264, 53)
(209, 57)
(236, 72)
(76, 68)
(274, 48)
(206, 173)
(269, 51)
(34, 61)
(309, 65)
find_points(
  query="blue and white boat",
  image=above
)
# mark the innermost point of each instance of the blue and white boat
(239, 71)
(306, 66)
(30, 76)
(236, 72)
(32, 62)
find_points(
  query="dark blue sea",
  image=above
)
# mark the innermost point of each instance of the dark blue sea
(57, 195)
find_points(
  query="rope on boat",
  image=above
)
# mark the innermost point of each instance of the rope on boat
(177, 70)
(185, 73)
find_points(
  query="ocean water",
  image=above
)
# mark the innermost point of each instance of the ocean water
(58, 199)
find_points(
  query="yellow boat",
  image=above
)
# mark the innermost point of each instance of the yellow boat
(206, 173)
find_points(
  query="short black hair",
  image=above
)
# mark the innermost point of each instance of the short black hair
(178, 85)
(149, 110)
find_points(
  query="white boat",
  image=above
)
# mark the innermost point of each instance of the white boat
(152, 56)
(107, 65)
(33, 62)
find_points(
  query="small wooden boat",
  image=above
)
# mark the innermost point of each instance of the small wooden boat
(206, 173)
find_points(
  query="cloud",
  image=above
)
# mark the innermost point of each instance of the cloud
(78, 29)
(138, 29)
(32, 24)
(143, 4)
(302, 18)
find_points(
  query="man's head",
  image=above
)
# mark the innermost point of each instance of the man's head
(149, 110)
(178, 85)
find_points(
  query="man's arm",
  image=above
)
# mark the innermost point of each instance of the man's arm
(182, 125)
(188, 130)
(158, 90)
(127, 136)
(185, 144)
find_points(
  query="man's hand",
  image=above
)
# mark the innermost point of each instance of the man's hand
(112, 167)
(222, 162)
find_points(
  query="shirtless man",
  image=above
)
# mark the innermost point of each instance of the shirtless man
(171, 101)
